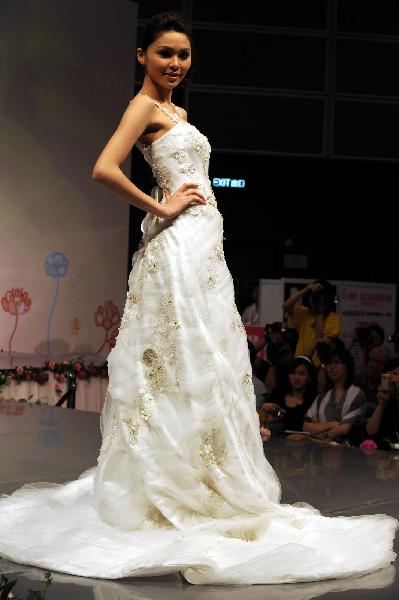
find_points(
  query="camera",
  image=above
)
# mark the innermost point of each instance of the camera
(273, 328)
(394, 338)
(386, 381)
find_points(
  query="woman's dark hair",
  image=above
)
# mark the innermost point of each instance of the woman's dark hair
(252, 351)
(167, 21)
(300, 361)
(303, 361)
(379, 331)
(346, 358)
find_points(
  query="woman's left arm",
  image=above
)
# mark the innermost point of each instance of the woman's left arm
(339, 430)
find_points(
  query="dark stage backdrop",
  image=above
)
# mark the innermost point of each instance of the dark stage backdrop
(303, 102)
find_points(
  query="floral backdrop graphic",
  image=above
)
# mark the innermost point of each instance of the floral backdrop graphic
(63, 237)
(75, 326)
(56, 266)
(16, 302)
(108, 316)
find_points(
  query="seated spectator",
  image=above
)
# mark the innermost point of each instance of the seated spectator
(383, 425)
(314, 322)
(250, 315)
(370, 380)
(296, 395)
(324, 349)
(333, 414)
(366, 339)
(259, 386)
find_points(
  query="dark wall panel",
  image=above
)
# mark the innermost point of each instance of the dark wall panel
(366, 129)
(260, 123)
(284, 13)
(260, 59)
(367, 67)
(371, 16)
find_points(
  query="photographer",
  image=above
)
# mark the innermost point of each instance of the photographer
(383, 425)
(369, 381)
(279, 353)
(394, 339)
(317, 321)
(367, 338)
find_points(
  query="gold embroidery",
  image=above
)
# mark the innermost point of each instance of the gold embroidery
(211, 281)
(162, 175)
(237, 322)
(211, 200)
(214, 499)
(157, 377)
(147, 253)
(219, 253)
(150, 356)
(143, 408)
(157, 519)
(132, 428)
(188, 169)
(152, 264)
(179, 155)
(247, 534)
(247, 378)
(211, 451)
(132, 299)
(163, 350)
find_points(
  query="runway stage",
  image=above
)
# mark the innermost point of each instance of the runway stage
(41, 443)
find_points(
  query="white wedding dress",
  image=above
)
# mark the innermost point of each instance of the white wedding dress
(182, 484)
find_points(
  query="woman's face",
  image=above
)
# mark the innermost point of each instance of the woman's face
(336, 371)
(167, 59)
(299, 378)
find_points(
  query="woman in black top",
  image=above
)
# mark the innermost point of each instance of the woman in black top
(296, 396)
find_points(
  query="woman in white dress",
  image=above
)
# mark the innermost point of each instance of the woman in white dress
(182, 483)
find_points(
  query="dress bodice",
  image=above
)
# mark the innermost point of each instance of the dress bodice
(180, 155)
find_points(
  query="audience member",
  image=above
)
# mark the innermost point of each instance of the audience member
(370, 380)
(366, 338)
(333, 414)
(259, 386)
(250, 315)
(383, 425)
(315, 320)
(296, 395)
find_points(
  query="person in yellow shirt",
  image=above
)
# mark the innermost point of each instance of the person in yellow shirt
(315, 324)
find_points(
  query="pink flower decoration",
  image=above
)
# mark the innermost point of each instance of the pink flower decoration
(265, 433)
(368, 446)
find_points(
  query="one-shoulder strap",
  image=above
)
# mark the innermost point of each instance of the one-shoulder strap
(174, 116)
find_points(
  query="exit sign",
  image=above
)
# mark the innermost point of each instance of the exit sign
(225, 182)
